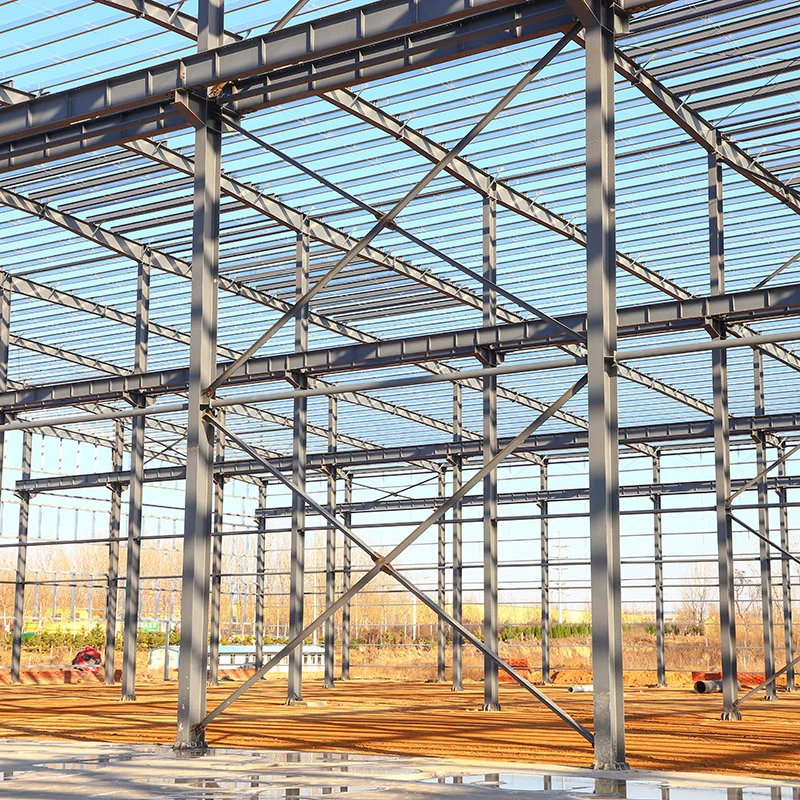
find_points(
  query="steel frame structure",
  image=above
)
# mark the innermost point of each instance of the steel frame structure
(533, 361)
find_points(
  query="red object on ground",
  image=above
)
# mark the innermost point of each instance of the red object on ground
(521, 665)
(748, 679)
(88, 657)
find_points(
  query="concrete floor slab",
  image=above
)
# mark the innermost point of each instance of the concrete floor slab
(50, 770)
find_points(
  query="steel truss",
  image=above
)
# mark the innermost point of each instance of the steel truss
(210, 94)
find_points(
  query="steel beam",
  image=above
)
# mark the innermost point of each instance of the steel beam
(216, 561)
(347, 579)
(658, 564)
(786, 578)
(22, 559)
(200, 440)
(763, 528)
(491, 697)
(727, 604)
(299, 455)
(458, 552)
(135, 496)
(703, 132)
(365, 43)
(544, 549)
(441, 581)
(647, 319)
(261, 564)
(694, 430)
(330, 544)
(609, 716)
(114, 529)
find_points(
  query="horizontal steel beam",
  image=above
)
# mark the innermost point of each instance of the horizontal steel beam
(672, 316)
(350, 459)
(550, 496)
(365, 43)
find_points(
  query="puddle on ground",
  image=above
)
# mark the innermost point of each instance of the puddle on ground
(613, 788)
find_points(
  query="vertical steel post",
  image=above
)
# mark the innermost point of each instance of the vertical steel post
(5, 336)
(661, 664)
(22, 558)
(441, 582)
(346, 576)
(765, 556)
(330, 544)
(193, 663)
(261, 561)
(130, 625)
(216, 561)
(727, 604)
(491, 698)
(112, 590)
(786, 578)
(609, 715)
(299, 442)
(458, 556)
(544, 535)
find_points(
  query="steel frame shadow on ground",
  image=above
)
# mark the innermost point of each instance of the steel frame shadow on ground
(210, 92)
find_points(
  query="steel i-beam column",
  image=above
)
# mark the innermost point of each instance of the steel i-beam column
(261, 560)
(5, 336)
(22, 558)
(544, 535)
(193, 663)
(765, 556)
(346, 576)
(491, 694)
(130, 625)
(458, 559)
(216, 561)
(601, 328)
(299, 441)
(441, 582)
(112, 589)
(722, 456)
(661, 664)
(786, 582)
(330, 544)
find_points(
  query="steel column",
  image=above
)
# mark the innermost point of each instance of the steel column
(22, 558)
(330, 544)
(727, 603)
(261, 560)
(786, 578)
(347, 547)
(765, 556)
(544, 536)
(609, 716)
(135, 495)
(193, 664)
(5, 335)
(491, 699)
(661, 664)
(216, 561)
(299, 447)
(441, 581)
(458, 568)
(112, 590)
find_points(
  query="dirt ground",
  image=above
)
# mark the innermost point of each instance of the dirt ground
(668, 729)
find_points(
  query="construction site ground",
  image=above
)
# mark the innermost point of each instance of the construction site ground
(667, 729)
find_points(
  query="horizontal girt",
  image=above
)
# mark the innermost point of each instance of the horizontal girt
(444, 451)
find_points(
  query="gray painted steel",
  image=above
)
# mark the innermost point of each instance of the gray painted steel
(609, 716)
(198, 521)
